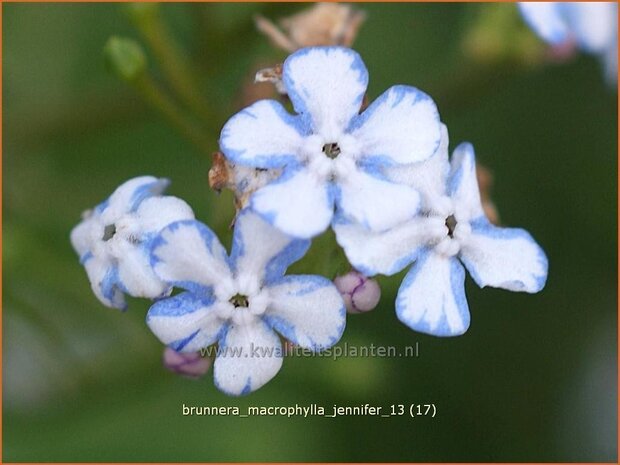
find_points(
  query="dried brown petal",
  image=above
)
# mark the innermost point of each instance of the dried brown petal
(219, 174)
(322, 24)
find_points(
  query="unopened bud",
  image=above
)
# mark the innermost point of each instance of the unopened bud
(125, 57)
(360, 293)
(190, 365)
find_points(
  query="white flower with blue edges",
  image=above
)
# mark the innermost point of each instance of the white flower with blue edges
(113, 240)
(330, 154)
(241, 301)
(452, 232)
(592, 25)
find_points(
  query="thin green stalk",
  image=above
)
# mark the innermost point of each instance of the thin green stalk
(177, 71)
(155, 96)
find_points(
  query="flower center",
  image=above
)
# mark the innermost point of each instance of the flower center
(331, 150)
(451, 225)
(109, 231)
(240, 300)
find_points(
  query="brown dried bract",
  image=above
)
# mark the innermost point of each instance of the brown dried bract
(322, 24)
(220, 173)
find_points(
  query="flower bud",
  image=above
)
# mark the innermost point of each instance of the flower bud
(360, 293)
(125, 57)
(190, 365)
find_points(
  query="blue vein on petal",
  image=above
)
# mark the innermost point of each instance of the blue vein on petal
(457, 276)
(298, 100)
(467, 164)
(401, 91)
(310, 284)
(481, 226)
(270, 161)
(143, 192)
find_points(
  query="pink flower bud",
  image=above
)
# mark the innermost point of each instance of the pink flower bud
(360, 294)
(190, 365)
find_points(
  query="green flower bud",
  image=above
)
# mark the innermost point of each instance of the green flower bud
(125, 58)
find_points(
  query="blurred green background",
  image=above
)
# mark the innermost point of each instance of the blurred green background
(534, 379)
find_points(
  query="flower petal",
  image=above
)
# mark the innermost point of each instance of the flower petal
(186, 322)
(463, 183)
(136, 274)
(155, 213)
(374, 202)
(128, 196)
(105, 282)
(307, 310)
(262, 251)
(427, 177)
(385, 252)
(594, 24)
(248, 357)
(187, 254)
(297, 203)
(326, 86)
(431, 298)
(264, 135)
(545, 20)
(402, 126)
(504, 257)
(81, 236)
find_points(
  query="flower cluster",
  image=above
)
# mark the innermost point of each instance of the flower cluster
(380, 177)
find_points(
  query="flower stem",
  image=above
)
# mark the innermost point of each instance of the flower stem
(147, 19)
(155, 96)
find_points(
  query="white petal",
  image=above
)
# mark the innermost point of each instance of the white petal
(594, 24)
(504, 257)
(326, 85)
(129, 195)
(136, 275)
(261, 251)
(546, 20)
(263, 135)
(427, 177)
(104, 281)
(402, 126)
(307, 310)
(297, 203)
(463, 183)
(249, 356)
(186, 322)
(386, 252)
(187, 254)
(155, 213)
(376, 203)
(431, 298)
(81, 236)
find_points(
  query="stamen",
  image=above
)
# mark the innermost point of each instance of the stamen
(239, 300)
(109, 231)
(332, 150)
(451, 224)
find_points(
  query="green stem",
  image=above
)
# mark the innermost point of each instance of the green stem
(158, 99)
(173, 63)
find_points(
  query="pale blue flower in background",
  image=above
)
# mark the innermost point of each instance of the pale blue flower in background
(453, 231)
(593, 26)
(241, 302)
(113, 240)
(332, 155)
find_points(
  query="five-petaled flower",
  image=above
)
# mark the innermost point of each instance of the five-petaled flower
(453, 231)
(113, 239)
(241, 301)
(332, 155)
